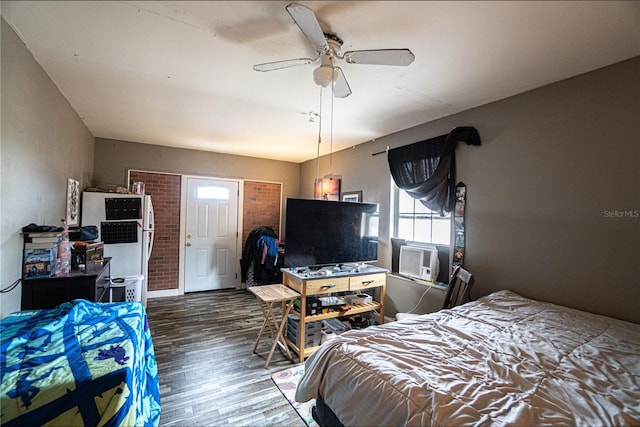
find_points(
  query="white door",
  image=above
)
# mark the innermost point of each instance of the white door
(210, 258)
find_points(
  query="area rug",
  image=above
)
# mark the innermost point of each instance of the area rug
(287, 381)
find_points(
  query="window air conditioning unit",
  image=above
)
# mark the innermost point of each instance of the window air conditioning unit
(419, 262)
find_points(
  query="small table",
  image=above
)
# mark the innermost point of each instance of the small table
(267, 295)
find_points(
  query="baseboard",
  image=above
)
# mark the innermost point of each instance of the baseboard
(163, 293)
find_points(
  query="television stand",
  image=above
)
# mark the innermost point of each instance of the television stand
(325, 281)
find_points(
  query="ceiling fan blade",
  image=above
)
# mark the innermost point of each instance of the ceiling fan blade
(380, 57)
(279, 65)
(341, 88)
(308, 24)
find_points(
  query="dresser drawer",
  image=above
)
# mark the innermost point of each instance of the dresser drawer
(323, 286)
(366, 281)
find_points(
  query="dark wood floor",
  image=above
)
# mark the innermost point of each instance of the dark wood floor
(209, 375)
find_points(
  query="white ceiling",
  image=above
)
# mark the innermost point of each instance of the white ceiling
(179, 73)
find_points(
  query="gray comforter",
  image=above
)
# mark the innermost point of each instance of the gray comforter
(501, 360)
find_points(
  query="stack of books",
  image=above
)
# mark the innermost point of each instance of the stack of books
(40, 254)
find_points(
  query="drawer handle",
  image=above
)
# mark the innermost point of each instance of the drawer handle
(327, 286)
(367, 282)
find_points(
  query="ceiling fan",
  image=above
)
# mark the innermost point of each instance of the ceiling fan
(328, 50)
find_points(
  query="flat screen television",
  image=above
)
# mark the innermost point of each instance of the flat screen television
(324, 232)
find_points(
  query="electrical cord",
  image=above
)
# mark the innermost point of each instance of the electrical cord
(10, 287)
(420, 300)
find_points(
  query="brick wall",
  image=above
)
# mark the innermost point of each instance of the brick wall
(261, 206)
(164, 190)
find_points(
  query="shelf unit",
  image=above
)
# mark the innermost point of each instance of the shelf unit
(307, 285)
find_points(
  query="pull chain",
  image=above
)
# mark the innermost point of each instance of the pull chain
(319, 141)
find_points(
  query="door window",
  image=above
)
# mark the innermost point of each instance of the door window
(213, 193)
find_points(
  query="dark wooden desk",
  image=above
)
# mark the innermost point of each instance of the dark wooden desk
(91, 284)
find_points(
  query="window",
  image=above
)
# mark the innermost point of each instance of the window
(213, 193)
(414, 221)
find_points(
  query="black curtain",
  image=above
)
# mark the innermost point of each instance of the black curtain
(426, 169)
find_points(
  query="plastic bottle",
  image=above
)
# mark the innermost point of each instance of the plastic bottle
(63, 265)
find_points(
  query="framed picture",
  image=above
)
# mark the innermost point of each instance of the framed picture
(72, 201)
(327, 189)
(352, 196)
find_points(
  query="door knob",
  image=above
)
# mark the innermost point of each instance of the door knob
(188, 236)
(188, 243)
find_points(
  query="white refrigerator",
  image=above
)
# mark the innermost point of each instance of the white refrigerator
(126, 226)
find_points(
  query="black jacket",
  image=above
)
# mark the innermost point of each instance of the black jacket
(252, 252)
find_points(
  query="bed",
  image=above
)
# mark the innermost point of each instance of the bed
(501, 360)
(80, 363)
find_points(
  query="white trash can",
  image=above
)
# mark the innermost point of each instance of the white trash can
(132, 287)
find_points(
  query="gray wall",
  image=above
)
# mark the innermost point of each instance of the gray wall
(44, 143)
(547, 190)
(114, 158)
(406, 296)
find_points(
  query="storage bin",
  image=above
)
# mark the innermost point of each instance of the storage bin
(132, 286)
(312, 332)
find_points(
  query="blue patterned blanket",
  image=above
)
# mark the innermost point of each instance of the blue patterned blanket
(80, 363)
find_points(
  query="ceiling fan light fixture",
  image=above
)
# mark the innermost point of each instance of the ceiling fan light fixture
(328, 47)
(325, 75)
